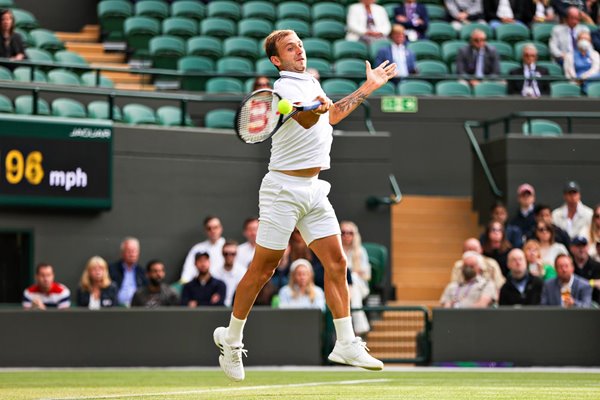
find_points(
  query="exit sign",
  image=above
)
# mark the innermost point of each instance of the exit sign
(398, 104)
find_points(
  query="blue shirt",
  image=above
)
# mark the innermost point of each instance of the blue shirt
(582, 63)
(128, 286)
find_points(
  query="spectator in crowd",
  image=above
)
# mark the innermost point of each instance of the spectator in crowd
(594, 234)
(525, 217)
(535, 265)
(512, 232)
(245, 251)
(398, 53)
(477, 58)
(278, 280)
(573, 216)
(414, 18)
(474, 291)
(230, 272)
(549, 248)
(464, 12)
(261, 82)
(564, 36)
(529, 85)
(358, 264)
(127, 273)
(567, 289)
(496, 245)
(543, 11)
(213, 245)
(583, 64)
(521, 287)
(12, 46)
(562, 8)
(498, 12)
(543, 212)
(156, 293)
(203, 290)
(490, 270)
(585, 266)
(301, 291)
(96, 290)
(367, 21)
(46, 293)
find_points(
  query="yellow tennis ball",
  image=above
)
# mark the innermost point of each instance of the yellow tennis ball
(284, 107)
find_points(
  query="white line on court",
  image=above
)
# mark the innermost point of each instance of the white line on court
(221, 390)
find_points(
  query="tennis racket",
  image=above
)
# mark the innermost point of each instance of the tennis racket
(258, 118)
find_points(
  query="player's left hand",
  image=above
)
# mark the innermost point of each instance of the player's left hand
(380, 75)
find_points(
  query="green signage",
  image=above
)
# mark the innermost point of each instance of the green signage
(397, 104)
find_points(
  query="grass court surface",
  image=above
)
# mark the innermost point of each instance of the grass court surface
(285, 383)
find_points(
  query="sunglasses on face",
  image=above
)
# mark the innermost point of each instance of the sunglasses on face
(543, 229)
(348, 233)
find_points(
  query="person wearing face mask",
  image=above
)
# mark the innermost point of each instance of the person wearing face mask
(475, 291)
(584, 63)
(521, 287)
(156, 293)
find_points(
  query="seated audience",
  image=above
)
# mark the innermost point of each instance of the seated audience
(521, 287)
(46, 293)
(477, 59)
(496, 245)
(213, 245)
(529, 85)
(414, 18)
(543, 213)
(536, 265)
(245, 251)
(549, 248)
(203, 290)
(367, 21)
(261, 82)
(564, 36)
(231, 272)
(562, 8)
(525, 217)
(513, 233)
(277, 281)
(12, 45)
(594, 234)
(127, 273)
(573, 216)
(543, 11)
(498, 12)
(301, 291)
(490, 270)
(567, 289)
(398, 53)
(583, 64)
(463, 12)
(474, 291)
(585, 266)
(96, 290)
(156, 293)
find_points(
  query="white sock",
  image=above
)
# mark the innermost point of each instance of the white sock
(235, 331)
(343, 328)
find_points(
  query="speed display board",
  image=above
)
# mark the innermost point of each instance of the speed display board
(56, 162)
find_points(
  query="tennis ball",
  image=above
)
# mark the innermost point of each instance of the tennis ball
(284, 107)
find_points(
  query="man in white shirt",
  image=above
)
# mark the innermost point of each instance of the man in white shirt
(564, 36)
(230, 272)
(573, 216)
(213, 245)
(245, 251)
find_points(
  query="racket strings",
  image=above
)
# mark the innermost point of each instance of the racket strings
(257, 117)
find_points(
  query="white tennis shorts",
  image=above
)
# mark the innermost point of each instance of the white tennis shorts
(286, 202)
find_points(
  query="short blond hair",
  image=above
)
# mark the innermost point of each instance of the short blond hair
(273, 38)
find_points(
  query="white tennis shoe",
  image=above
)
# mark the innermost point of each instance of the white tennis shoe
(230, 359)
(355, 353)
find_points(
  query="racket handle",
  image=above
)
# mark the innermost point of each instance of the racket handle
(310, 106)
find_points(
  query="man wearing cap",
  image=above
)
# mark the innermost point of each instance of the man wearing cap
(567, 289)
(525, 218)
(585, 266)
(204, 290)
(573, 216)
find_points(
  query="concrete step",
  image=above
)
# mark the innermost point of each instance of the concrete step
(390, 335)
(419, 292)
(434, 202)
(399, 355)
(77, 36)
(424, 276)
(389, 347)
(92, 48)
(94, 57)
(394, 326)
(134, 86)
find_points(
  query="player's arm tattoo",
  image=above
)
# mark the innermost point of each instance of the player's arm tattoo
(351, 101)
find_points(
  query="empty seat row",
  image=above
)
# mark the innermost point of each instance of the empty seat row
(58, 76)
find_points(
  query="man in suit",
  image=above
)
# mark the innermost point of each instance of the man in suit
(567, 289)
(477, 58)
(529, 85)
(564, 36)
(397, 53)
(414, 18)
(520, 287)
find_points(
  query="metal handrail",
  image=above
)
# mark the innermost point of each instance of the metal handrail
(482, 161)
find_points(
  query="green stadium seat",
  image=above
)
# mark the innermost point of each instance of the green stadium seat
(39, 55)
(89, 79)
(7, 3)
(220, 118)
(224, 9)
(23, 74)
(166, 50)
(61, 76)
(541, 31)
(302, 28)
(241, 47)
(452, 88)
(69, 57)
(138, 32)
(171, 116)
(259, 9)
(329, 10)
(378, 258)
(5, 74)
(338, 86)
(264, 66)
(435, 12)
(224, 85)
(321, 65)
(542, 49)
(24, 19)
(68, 108)
(541, 127)
(490, 89)
(112, 15)
(195, 64)
(512, 33)
(182, 27)
(504, 50)
(138, 114)
(98, 109)
(431, 67)
(388, 89)
(152, 8)
(375, 46)
(329, 29)
(6, 105)
(293, 10)
(553, 68)
(319, 48)
(467, 29)
(450, 50)
(349, 66)
(349, 49)
(255, 28)
(425, 50)
(593, 89)
(188, 9)
(440, 31)
(218, 27)
(564, 89)
(27, 40)
(227, 65)
(205, 46)
(415, 87)
(507, 66)
(24, 105)
(46, 40)
(389, 8)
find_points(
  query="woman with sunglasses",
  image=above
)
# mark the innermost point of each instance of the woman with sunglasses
(544, 233)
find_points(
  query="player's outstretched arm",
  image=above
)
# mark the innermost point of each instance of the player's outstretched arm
(375, 79)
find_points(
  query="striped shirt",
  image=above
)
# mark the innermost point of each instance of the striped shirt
(59, 296)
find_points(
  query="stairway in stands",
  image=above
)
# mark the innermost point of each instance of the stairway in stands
(427, 237)
(86, 43)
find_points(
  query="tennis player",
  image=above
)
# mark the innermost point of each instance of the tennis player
(291, 195)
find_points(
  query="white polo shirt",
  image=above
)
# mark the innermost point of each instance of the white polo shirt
(294, 147)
